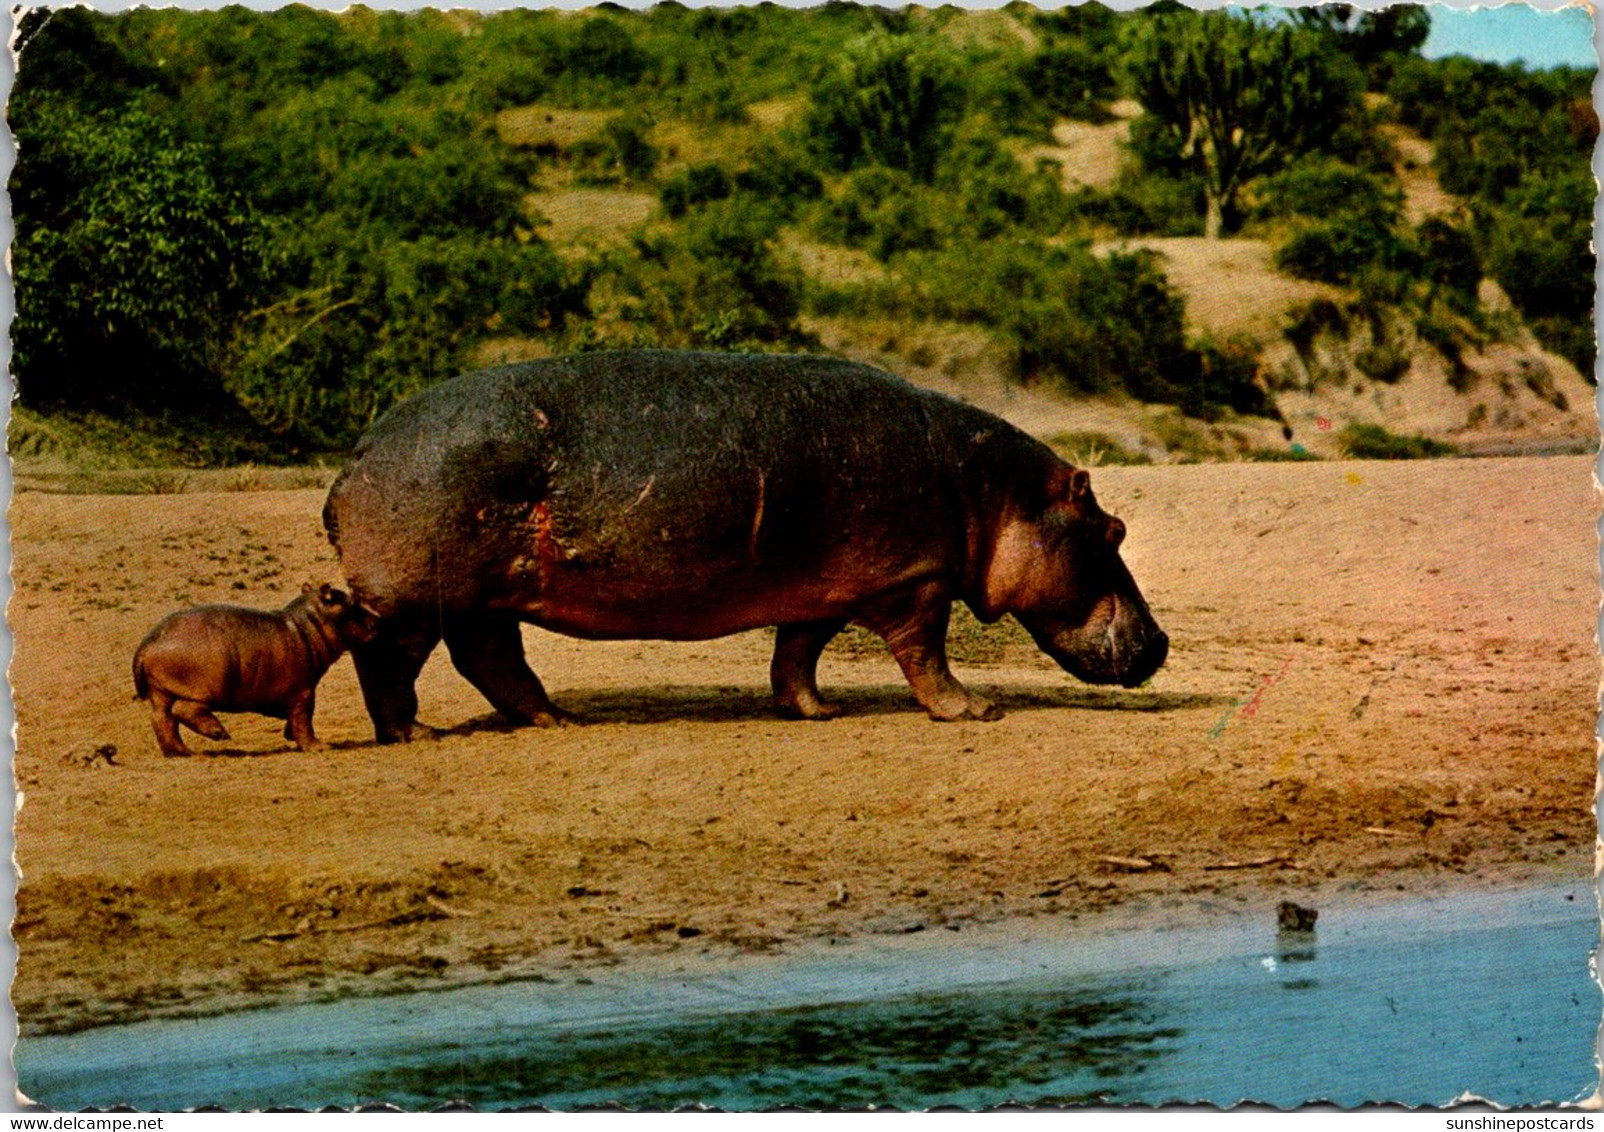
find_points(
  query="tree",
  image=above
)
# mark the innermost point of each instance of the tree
(130, 261)
(893, 101)
(1241, 96)
(1374, 40)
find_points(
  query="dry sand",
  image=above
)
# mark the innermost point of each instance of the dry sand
(1382, 679)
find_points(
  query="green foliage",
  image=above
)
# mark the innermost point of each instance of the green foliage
(1319, 186)
(1372, 442)
(292, 218)
(696, 185)
(1344, 250)
(1377, 41)
(1086, 323)
(1239, 96)
(1451, 261)
(980, 193)
(620, 153)
(1538, 246)
(1519, 145)
(892, 100)
(717, 283)
(130, 262)
(886, 212)
(1070, 80)
(367, 322)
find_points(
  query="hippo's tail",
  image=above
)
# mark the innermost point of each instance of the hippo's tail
(141, 681)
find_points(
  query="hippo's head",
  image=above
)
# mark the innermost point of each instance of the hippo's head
(336, 610)
(1059, 572)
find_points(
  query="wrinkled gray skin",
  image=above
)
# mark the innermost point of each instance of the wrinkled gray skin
(224, 658)
(685, 496)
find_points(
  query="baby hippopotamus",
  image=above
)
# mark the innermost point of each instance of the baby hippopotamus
(224, 658)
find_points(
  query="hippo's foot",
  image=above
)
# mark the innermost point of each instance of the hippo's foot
(488, 651)
(811, 708)
(552, 716)
(410, 732)
(914, 626)
(311, 745)
(978, 711)
(792, 672)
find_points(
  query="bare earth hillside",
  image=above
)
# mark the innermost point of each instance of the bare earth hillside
(1382, 679)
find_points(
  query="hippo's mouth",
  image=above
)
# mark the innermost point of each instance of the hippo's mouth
(1112, 653)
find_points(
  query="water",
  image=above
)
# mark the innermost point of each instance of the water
(1416, 1003)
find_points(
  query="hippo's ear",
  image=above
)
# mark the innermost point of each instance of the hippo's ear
(307, 587)
(328, 595)
(1079, 483)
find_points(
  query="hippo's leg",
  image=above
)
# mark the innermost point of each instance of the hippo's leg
(914, 625)
(198, 717)
(161, 718)
(488, 649)
(298, 726)
(793, 672)
(387, 667)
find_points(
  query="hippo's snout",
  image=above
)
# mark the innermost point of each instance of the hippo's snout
(1148, 661)
(1120, 644)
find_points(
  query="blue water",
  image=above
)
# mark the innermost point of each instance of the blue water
(1418, 1003)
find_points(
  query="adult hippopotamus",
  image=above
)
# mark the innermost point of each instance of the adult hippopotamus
(684, 496)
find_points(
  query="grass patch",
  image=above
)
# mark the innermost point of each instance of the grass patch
(1183, 439)
(1095, 450)
(968, 641)
(160, 481)
(1281, 456)
(1372, 442)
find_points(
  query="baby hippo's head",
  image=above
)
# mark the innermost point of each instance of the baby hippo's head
(337, 614)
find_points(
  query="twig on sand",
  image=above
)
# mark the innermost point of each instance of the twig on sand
(397, 921)
(1255, 863)
(1384, 832)
(1135, 864)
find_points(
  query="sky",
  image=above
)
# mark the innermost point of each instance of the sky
(1514, 32)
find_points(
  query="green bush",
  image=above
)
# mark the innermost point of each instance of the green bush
(885, 212)
(716, 283)
(1071, 80)
(367, 321)
(1343, 250)
(1451, 261)
(1538, 247)
(779, 175)
(1372, 442)
(893, 100)
(1319, 186)
(696, 185)
(106, 317)
(620, 152)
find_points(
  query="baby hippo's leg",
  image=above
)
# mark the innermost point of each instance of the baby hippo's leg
(299, 727)
(161, 718)
(199, 718)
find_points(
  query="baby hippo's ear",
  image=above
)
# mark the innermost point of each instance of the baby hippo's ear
(307, 587)
(328, 595)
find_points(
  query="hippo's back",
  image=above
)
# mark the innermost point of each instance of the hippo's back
(651, 473)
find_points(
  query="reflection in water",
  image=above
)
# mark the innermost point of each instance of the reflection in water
(1296, 946)
(963, 1049)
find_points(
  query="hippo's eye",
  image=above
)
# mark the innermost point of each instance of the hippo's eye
(1116, 533)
